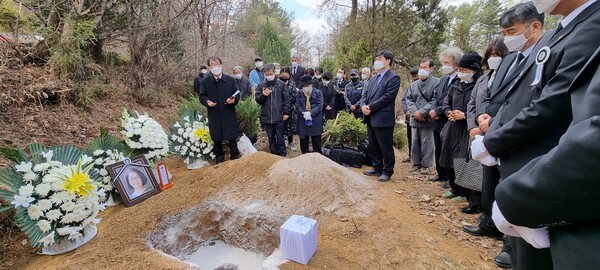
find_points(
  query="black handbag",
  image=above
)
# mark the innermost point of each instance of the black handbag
(346, 156)
(469, 172)
(363, 146)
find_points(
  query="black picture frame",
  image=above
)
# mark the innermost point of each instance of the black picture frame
(139, 165)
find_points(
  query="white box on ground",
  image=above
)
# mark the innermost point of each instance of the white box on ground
(298, 239)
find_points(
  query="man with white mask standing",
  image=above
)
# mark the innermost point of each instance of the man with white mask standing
(449, 59)
(297, 69)
(219, 94)
(257, 75)
(537, 112)
(419, 100)
(378, 106)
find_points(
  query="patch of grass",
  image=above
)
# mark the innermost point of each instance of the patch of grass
(400, 140)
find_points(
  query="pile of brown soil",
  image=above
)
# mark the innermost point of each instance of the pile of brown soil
(409, 225)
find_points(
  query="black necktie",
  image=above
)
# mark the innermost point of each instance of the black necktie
(294, 72)
(518, 63)
(558, 29)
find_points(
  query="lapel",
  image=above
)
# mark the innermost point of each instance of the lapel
(374, 88)
(583, 16)
(502, 78)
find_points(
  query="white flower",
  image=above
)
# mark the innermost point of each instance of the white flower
(129, 134)
(74, 235)
(22, 201)
(26, 191)
(64, 230)
(85, 159)
(24, 167)
(34, 212)
(177, 125)
(68, 207)
(174, 137)
(109, 152)
(62, 197)
(48, 239)
(186, 118)
(58, 185)
(99, 161)
(206, 151)
(180, 131)
(29, 176)
(41, 167)
(101, 207)
(103, 172)
(48, 155)
(177, 148)
(44, 225)
(68, 218)
(43, 189)
(53, 214)
(98, 152)
(44, 205)
(101, 193)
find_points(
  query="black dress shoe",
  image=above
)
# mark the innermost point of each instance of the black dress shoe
(384, 178)
(476, 231)
(503, 260)
(446, 184)
(471, 209)
(436, 178)
(372, 172)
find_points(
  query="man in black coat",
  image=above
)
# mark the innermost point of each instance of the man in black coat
(525, 131)
(564, 182)
(243, 84)
(378, 106)
(449, 59)
(297, 70)
(218, 94)
(201, 74)
(274, 101)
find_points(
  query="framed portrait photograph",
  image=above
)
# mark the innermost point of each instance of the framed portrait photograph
(134, 179)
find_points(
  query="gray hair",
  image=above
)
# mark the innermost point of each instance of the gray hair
(295, 56)
(276, 64)
(453, 52)
(236, 67)
(366, 69)
(269, 67)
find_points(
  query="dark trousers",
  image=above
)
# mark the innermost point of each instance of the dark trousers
(316, 144)
(218, 150)
(409, 136)
(437, 139)
(525, 256)
(454, 188)
(381, 149)
(275, 138)
(491, 178)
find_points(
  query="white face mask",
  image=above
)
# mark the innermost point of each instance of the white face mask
(204, 71)
(494, 62)
(378, 65)
(270, 78)
(216, 70)
(545, 6)
(363, 77)
(516, 43)
(325, 82)
(259, 64)
(423, 74)
(339, 76)
(307, 89)
(277, 71)
(294, 64)
(237, 76)
(465, 77)
(447, 69)
(318, 77)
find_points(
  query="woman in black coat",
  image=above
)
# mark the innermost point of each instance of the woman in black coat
(327, 87)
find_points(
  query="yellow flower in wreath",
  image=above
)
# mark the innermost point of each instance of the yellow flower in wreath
(202, 134)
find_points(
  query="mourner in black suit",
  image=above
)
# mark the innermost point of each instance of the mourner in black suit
(378, 106)
(564, 182)
(297, 70)
(217, 94)
(525, 131)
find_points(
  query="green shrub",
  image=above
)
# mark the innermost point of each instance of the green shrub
(248, 113)
(400, 140)
(347, 130)
(190, 102)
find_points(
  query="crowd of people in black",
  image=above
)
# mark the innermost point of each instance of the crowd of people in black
(511, 131)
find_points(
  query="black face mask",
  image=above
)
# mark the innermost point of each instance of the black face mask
(354, 79)
(284, 79)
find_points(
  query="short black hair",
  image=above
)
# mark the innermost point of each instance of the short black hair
(428, 59)
(138, 172)
(319, 69)
(269, 67)
(497, 46)
(214, 58)
(286, 69)
(327, 76)
(309, 71)
(414, 71)
(388, 55)
(342, 69)
(521, 13)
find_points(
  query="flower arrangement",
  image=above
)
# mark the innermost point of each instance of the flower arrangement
(144, 135)
(56, 193)
(105, 150)
(190, 138)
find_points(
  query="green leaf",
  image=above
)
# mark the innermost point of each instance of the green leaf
(67, 154)
(106, 141)
(10, 178)
(36, 150)
(16, 155)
